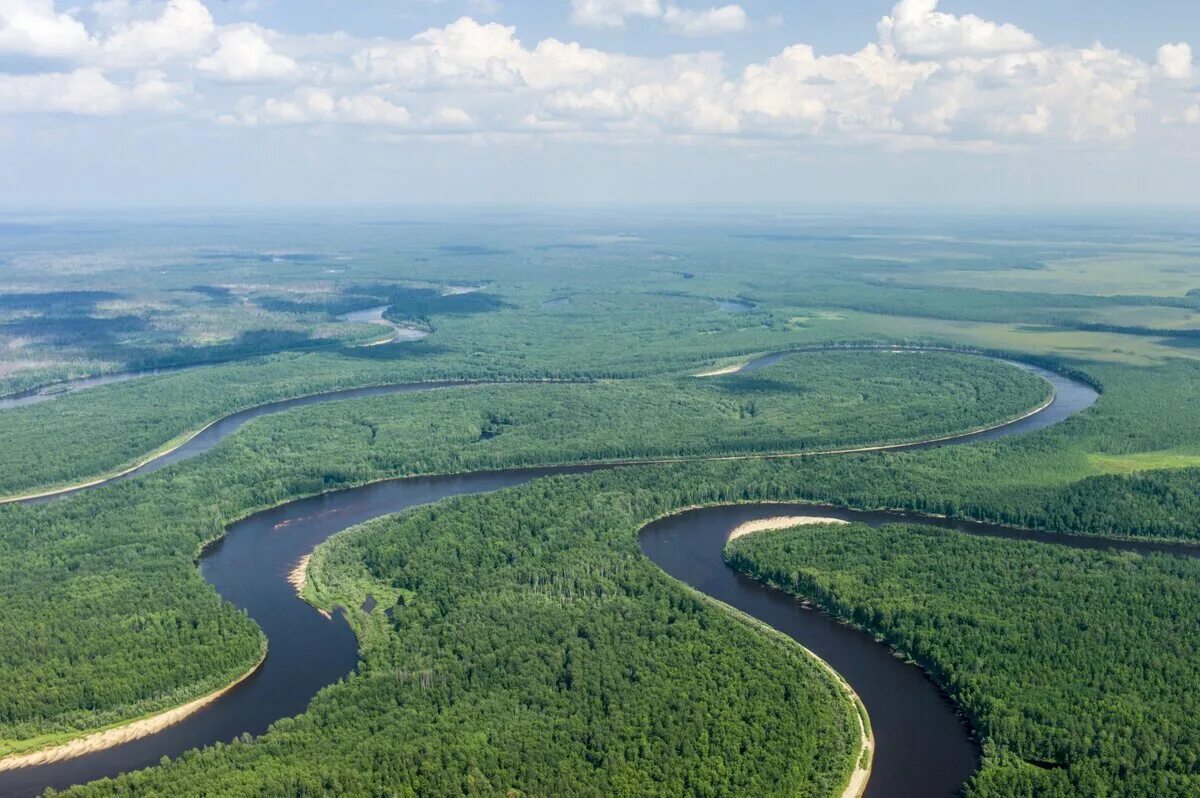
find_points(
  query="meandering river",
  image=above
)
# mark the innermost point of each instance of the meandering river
(922, 749)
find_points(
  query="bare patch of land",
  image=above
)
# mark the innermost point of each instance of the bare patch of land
(734, 369)
(779, 522)
(298, 576)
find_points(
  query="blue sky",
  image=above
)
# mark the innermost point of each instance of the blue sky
(266, 102)
(831, 25)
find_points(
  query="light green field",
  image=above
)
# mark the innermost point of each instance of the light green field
(1139, 350)
(1163, 318)
(1130, 273)
(1142, 461)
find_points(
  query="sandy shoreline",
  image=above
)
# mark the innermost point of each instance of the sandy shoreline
(150, 458)
(298, 576)
(721, 371)
(862, 773)
(779, 522)
(110, 738)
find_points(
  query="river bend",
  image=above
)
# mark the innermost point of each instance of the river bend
(922, 748)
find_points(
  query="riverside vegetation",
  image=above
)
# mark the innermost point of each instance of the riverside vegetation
(1024, 637)
(561, 618)
(823, 400)
(331, 441)
(85, 561)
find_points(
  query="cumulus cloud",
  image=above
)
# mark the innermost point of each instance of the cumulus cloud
(463, 53)
(370, 109)
(35, 28)
(183, 29)
(929, 79)
(612, 13)
(1034, 121)
(917, 28)
(244, 54)
(1175, 61)
(450, 117)
(85, 92)
(313, 105)
(469, 55)
(710, 22)
(798, 90)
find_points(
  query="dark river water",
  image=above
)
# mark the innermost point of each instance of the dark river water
(922, 748)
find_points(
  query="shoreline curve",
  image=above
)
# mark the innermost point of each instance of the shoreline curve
(99, 740)
(340, 393)
(861, 774)
(124, 733)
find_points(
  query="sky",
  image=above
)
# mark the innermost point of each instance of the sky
(232, 103)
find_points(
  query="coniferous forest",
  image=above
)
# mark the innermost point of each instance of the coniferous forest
(520, 642)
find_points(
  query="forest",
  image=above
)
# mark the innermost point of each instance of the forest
(808, 401)
(576, 668)
(1023, 637)
(85, 560)
(522, 643)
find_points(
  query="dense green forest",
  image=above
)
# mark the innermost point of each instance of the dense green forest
(130, 294)
(529, 646)
(1080, 662)
(112, 548)
(546, 657)
(807, 401)
(86, 561)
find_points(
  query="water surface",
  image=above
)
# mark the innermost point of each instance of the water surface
(922, 748)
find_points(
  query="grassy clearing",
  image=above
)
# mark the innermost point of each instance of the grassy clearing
(1108, 274)
(1134, 350)
(1141, 461)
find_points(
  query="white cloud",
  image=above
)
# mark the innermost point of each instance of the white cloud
(594, 104)
(612, 13)
(462, 53)
(694, 99)
(468, 55)
(244, 54)
(1032, 122)
(800, 91)
(1175, 61)
(710, 22)
(450, 117)
(183, 29)
(313, 105)
(916, 28)
(931, 80)
(370, 109)
(85, 92)
(35, 28)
